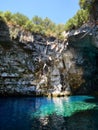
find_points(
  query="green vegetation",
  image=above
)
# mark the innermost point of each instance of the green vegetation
(46, 26)
(86, 4)
(79, 19)
(82, 16)
(36, 25)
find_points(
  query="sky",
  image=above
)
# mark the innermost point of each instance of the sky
(59, 11)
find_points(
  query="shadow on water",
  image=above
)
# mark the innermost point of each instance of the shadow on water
(83, 120)
(86, 119)
(92, 100)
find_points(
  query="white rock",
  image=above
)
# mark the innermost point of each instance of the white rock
(55, 71)
(4, 74)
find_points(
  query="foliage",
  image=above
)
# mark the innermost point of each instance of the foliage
(19, 19)
(46, 26)
(36, 25)
(69, 24)
(49, 27)
(7, 15)
(58, 30)
(37, 20)
(81, 17)
(86, 4)
(38, 29)
(1, 13)
(29, 25)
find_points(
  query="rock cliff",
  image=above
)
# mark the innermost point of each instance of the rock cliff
(31, 64)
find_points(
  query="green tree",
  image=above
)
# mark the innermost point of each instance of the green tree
(20, 19)
(37, 20)
(38, 29)
(69, 24)
(29, 25)
(81, 17)
(48, 24)
(7, 15)
(1, 13)
(49, 27)
(86, 4)
(58, 30)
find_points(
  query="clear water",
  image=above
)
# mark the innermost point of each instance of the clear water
(68, 113)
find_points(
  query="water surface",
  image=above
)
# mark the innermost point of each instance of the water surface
(67, 113)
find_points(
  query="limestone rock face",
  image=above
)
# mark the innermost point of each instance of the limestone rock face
(36, 65)
(27, 65)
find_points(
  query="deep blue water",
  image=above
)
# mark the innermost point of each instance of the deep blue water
(68, 113)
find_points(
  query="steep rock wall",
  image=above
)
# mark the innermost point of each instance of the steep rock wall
(31, 64)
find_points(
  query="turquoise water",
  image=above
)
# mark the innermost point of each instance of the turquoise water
(67, 113)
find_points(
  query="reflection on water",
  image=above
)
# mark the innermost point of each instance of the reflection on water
(65, 106)
(68, 113)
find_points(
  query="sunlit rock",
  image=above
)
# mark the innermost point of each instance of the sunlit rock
(37, 65)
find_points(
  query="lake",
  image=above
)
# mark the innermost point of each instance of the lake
(65, 113)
